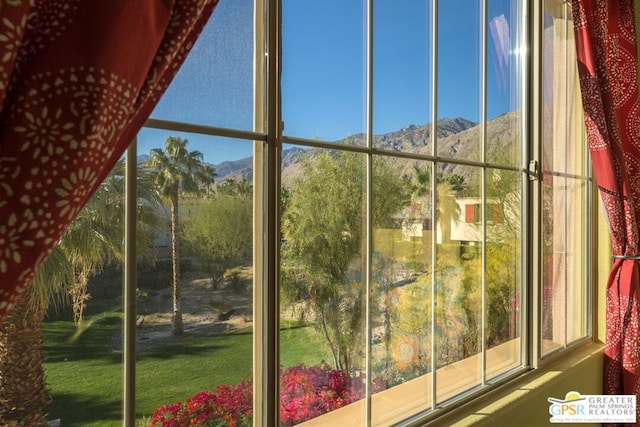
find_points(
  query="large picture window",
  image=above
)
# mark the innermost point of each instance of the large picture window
(347, 213)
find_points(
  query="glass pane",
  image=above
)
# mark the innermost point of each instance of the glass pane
(576, 274)
(458, 280)
(215, 84)
(323, 293)
(561, 95)
(565, 244)
(401, 72)
(323, 70)
(83, 364)
(401, 289)
(459, 76)
(565, 296)
(503, 267)
(504, 82)
(195, 304)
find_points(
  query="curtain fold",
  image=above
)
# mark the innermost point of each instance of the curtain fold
(77, 81)
(607, 61)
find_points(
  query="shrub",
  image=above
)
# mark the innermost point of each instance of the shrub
(305, 393)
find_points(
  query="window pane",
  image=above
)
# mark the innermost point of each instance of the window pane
(83, 366)
(565, 188)
(401, 289)
(215, 84)
(213, 354)
(458, 281)
(323, 293)
(503, 267)
(504, 82)
(565, 307)
(401, 69)
(459, 78)
(323, 69)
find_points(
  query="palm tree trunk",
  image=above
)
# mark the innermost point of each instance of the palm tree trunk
(176, 320)
(23, 389)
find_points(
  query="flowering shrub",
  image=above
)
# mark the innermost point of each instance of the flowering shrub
(305, 393)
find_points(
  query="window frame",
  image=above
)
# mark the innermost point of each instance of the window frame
(268, 142)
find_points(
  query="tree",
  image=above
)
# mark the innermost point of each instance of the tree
(322, 258)
(224, 243)
(233, 187)
(178, 170)
(96, 235)
(23, 388)
(92, 240)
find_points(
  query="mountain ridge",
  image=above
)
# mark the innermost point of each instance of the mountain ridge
(457, 138)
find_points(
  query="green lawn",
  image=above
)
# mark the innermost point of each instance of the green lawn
(85, 376)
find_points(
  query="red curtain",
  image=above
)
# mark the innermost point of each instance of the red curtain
(606, 48)
(78, 78)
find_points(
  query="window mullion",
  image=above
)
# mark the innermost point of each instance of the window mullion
(434, 198)
(483, 156)
(130, 288)
(368, 206)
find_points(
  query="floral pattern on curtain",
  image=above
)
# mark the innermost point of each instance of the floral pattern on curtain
(78, 79)
(607, 61)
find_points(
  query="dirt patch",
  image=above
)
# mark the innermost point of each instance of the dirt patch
(205, 312)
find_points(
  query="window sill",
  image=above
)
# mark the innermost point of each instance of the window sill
(524, 399)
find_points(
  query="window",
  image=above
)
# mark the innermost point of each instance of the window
(394, 211)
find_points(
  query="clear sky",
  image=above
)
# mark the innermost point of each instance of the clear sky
(323, 78)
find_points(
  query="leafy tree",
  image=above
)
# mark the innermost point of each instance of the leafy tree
(322, 258)
(178, 170)
(218, 231)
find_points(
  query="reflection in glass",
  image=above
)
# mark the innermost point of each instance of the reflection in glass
(204, 273)
(401, 287)
(458, 280)
(503, 267)
(504, 82)
(323, 70)
(323, 292)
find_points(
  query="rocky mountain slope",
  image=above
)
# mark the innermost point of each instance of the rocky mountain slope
(457, 138)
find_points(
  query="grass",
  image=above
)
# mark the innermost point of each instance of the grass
(86, 377)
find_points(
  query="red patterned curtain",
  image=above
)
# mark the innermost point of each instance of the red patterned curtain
(606, 49)
(78, 78)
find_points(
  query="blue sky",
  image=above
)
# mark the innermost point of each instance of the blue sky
(323, 77)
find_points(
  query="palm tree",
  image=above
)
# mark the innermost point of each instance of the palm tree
(94, 238)
(23, 389)
(233, 187)
(178, 170)
(96, 235)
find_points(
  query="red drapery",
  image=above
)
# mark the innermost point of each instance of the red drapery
(78, 78)
(606, 49)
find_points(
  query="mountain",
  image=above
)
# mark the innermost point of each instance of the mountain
(457, 138)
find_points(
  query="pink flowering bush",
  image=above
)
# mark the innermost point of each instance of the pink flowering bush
(305, 393)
